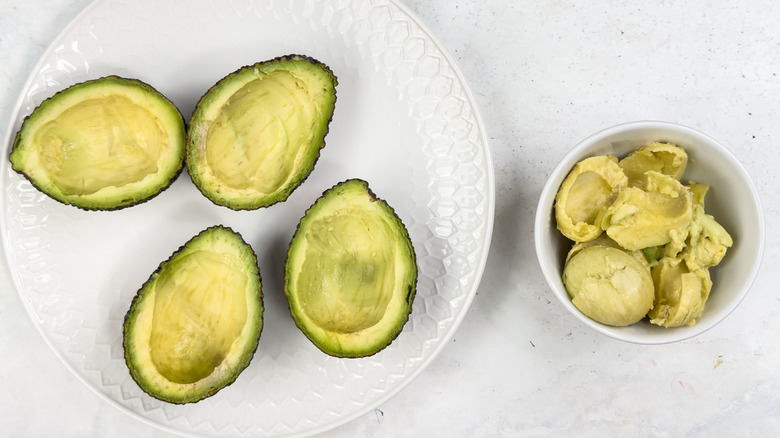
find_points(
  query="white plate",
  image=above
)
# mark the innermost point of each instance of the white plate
(404, 121)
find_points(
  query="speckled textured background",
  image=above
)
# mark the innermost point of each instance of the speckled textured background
(545, 75)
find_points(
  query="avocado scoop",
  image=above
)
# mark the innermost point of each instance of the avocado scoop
(608, 285)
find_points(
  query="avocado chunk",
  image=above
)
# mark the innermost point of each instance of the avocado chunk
(680, 292)
(707, 241)
(102, 144)
(257, 133)
(654, 215)
(585, 194)
(609, 285)
(351, 272)
(666, 158)
(194, 325)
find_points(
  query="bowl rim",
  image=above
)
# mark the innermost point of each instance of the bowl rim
(544, 224)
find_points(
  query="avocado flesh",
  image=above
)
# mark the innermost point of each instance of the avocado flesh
(199, 310)
(681, 293)
(350, 276)
(666, 158)
(585, 194)
(102, 144)
(344, 256)
(256, 135)
(195, 324)
(654, 215)
(264, 121)
(589, 192)
(609, 285)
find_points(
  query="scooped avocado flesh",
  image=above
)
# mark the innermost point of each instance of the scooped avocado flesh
(658, 222)
(102, 144)
(708, 241)
(656, 215)
(665, 158)
(351, 274)
(609, 285)
(257, 133)
(680, 293)
(585, 195)
(195, 324)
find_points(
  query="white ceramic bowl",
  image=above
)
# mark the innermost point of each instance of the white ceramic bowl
(732, 200)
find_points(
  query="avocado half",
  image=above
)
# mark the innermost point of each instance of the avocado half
(351, 272)
(195, 324)
(257, 133)
(102, 144)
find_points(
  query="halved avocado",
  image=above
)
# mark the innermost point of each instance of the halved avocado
(351, 272)
(102, 144)
(257, 133)
(194, 325)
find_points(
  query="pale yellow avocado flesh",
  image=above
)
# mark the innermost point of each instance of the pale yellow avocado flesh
(199, 312)
(656, 215)
(708, 241)
(585, 194)
(101, 142)
(264, 123)
(589, 192)
(609, 285)
(351, 273)
(680, 293)
(344, 257)
(666, 158)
